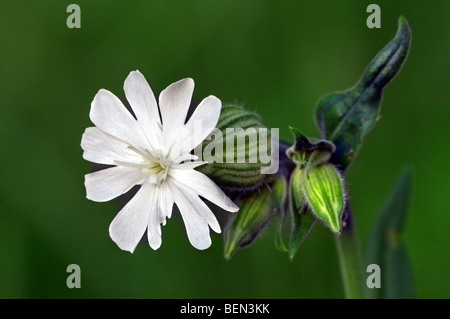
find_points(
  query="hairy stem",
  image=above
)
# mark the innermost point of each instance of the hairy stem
(350, 262)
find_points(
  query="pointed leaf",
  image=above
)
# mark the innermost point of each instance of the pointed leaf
(279, 242)
(346, 117)
(385, 247)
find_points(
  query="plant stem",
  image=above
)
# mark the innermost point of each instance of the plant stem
(349, 255)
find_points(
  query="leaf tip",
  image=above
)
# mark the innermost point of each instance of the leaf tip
(402, 21)
(404, 30)
(291, 255)
(295, 132)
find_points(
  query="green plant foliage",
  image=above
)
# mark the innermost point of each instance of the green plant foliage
(346, 117)
(385, 247)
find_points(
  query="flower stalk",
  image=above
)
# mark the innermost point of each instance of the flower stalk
(350, 262)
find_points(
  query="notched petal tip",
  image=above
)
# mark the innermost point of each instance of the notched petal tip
(174, 103)
(202, 245)
(155, 246)
(213, 106)
(135, 77)
(233, 208)
(180, 85)
(213, 100)
(132, 78)
(119, 240)
(102, 92)
(89, 194)
(121, 246)
(187, 81)
(135, 72)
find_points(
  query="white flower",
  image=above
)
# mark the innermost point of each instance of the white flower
(153, 152)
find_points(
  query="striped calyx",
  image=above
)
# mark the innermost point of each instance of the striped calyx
(325, 195)
(234, 149)
(254, 213)
(317, 183)
(306, 153)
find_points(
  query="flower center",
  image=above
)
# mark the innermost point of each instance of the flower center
(154, 168)
(157, 167)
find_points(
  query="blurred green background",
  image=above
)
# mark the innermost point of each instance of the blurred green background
(276, 57)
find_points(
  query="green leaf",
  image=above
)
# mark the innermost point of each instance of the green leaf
(248, 222)
(385, 247)
(301, 217)
(279, 242)
(302, 223)
(324, 193)
(346, 117)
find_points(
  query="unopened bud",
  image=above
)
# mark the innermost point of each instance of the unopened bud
(301, 216)
(236, 150)
(248, 223)
(324, 194)
(306, 153)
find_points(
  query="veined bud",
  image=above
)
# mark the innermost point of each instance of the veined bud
(280, 192)
(306, 153)
(301, 216)
(254, 213)
(324, 192)
(238, 150)
(316, 183)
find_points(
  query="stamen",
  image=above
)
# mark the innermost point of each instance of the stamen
(156, 165)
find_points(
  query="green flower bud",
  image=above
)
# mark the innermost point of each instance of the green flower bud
(236, 149)
(306, 153)
(280, 192)
(301, 216)
(316, 183)
(253, 215)
(324, 193)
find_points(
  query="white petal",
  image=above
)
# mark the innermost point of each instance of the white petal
(106, 184)
(154, 136)
(174, 103)
(100, 147)
(200, 207)
(143, 103)
(203, 186)
(158, 214)
(165, 201)
(196, 227)
(141, 98)
(154, 229)
(187, 157)
(130, 224)
(200, 125)
(189, 165)
(111, 116)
